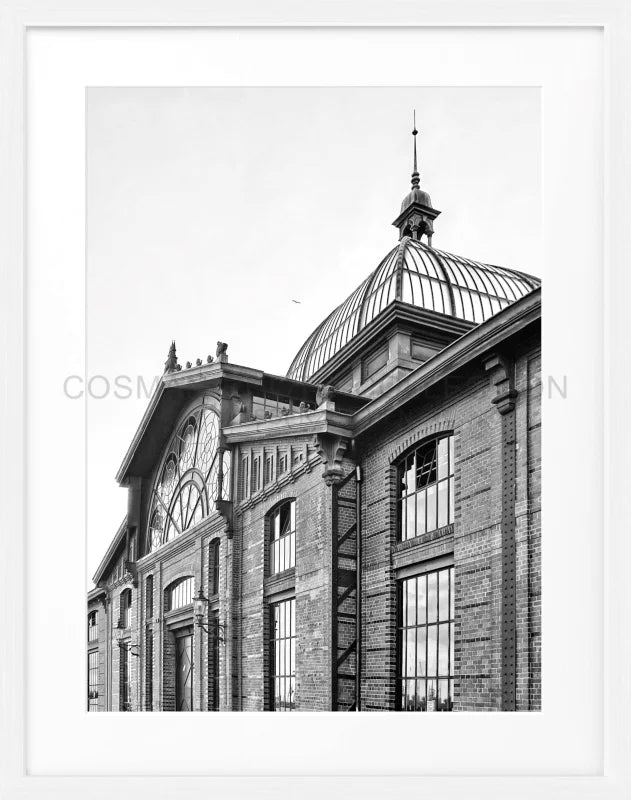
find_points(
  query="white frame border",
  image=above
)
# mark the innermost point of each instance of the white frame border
(16, 18)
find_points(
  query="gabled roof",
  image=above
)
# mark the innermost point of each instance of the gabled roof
(107, 559)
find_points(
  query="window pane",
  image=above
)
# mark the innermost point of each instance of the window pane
(451, 500)
(443, 649)
(422, 599)
(431, 507)
(421, 656)
(431, 695)
(409, 474)
(410, 650)
(452, 593)
(443, 594)
(411, 601)
(432, 597)
(432, 649)
(443, 458)
(410, 517)
(451, 455)
(420, 511)
(443, 703)
(443, 503)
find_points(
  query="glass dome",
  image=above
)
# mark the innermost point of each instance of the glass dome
(422, 276)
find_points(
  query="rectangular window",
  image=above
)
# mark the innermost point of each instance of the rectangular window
(213, 568)
(426, 488)
(256, 474)
(149, 670)
(271, 405)
(125, 608)
(244, 478)
(282, 463)
(283, 655)
(149, 597)
(268, 475)
(93, 681)
(374, 362)
(124, 679)
(93, 627)
(426, 642)
(283, 538)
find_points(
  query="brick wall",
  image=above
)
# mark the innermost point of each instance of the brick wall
(474, 541)
(310, 582)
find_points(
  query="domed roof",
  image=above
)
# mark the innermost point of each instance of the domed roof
(416, 196)
(422, 276)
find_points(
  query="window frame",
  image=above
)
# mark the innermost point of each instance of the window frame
(402, 633)
(93, 685)
(288, 538)
(214, 551)
(187, 581)
(125, 602)
(274, 644)
(93, 628)
(403, 496)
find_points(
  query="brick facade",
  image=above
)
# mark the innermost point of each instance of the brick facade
(493, 543)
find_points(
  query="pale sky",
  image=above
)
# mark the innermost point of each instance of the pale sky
(210, 210)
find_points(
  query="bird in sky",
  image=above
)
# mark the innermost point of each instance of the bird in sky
(297, 302)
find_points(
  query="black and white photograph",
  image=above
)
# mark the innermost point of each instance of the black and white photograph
(313, 404)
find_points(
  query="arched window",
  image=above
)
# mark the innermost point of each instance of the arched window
(187, 483)
(125, 608)
(179, 594)
(282, 537)
(426, 487)
(93, 627)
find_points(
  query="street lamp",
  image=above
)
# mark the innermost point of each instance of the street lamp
(119, 633)
(200, 605)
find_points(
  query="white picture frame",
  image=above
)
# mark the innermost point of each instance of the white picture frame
(611, 778)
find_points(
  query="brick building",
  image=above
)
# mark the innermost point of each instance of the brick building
(363, 533)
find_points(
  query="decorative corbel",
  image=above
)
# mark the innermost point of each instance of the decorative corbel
(502, 374)
(131, 572)
(331, 449)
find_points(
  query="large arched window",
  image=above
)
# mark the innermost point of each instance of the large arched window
(426, 488)
(187, 483)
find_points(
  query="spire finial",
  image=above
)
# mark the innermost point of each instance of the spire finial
(171, 365)
(415, 176)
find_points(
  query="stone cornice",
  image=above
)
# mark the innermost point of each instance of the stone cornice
(305, 424)
(396, 313)
(479, 341)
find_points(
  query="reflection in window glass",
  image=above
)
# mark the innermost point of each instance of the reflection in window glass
(93, 681)
(426, 642)
(426, 488)
(283, 655)
(283, 538)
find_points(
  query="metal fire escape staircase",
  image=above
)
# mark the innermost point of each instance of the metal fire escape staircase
(346, 605)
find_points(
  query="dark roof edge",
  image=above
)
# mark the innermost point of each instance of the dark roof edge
(483, 338)
(111, 550)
